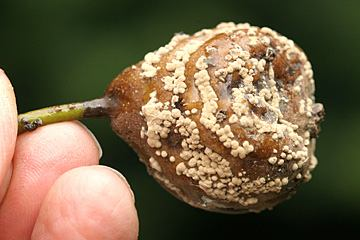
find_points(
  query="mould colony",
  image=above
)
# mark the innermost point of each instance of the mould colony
(228, 117)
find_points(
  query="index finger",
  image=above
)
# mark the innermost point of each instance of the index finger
(8, 128)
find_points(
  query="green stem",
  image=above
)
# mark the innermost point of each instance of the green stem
(74, 111)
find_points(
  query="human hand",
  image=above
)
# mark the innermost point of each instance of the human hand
(51, 186)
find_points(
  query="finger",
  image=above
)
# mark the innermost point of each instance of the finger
(40, 158)
(8, 130)
(88, 203)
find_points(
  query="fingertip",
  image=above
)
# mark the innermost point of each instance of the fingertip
(2, 72)
(6, 82)
(92, 136)
(8, 126)
(40, 158)
(91, 203)
(72, 140)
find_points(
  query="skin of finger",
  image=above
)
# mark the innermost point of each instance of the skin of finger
(88, 203)
(6, 182)
(8, 129)
(40, 158)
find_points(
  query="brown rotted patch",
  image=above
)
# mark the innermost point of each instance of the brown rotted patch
(287, 70)
(233, 80)
(255, 167)
(265, 146)
(174, 140)
(259, 111)
(258, 51)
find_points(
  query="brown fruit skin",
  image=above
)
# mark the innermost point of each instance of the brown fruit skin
(131, 91)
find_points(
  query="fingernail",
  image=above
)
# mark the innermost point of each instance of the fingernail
(94, 138)
(123, 179)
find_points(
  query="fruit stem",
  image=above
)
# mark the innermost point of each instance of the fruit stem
(74, 111)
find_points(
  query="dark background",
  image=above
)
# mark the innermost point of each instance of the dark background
(62, 51)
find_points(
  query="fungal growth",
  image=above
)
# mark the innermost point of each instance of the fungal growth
(225, 119)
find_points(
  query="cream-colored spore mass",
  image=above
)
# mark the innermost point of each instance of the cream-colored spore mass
(225, 119)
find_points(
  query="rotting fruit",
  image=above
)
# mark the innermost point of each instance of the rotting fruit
(224, 119)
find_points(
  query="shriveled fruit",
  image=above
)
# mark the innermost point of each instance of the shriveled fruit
(224, 119)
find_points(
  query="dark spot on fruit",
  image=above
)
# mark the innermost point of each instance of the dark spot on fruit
(270, 54)
(174, 140)
(221, 115)
(179, 104)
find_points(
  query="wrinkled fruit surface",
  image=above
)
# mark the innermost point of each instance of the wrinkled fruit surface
(224, 119)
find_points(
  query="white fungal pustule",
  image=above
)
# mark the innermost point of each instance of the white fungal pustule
(155, 164)
(207, 94)
(148, 67)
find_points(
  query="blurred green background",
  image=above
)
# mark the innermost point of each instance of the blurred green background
(64, 50)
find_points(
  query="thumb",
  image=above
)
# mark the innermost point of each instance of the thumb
(8, 130)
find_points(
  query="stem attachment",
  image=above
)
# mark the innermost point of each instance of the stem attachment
(74, 111)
